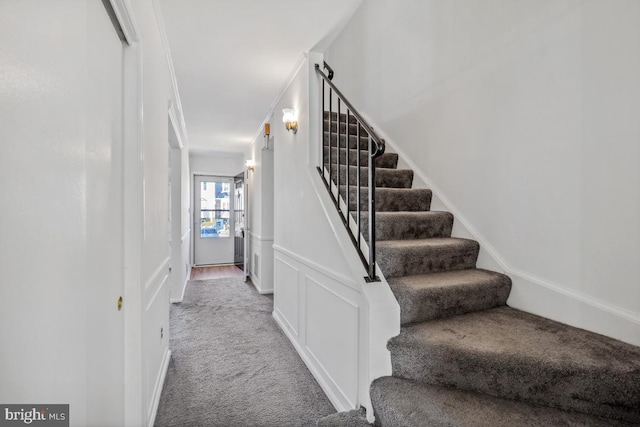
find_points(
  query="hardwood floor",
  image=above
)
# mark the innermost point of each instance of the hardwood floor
(215, 272)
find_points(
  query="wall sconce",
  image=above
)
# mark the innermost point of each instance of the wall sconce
(250, 164)
(290, 119)
(267, 132)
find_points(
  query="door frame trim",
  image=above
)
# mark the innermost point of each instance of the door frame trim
(121, 9)
(133, 220)
(193, 212)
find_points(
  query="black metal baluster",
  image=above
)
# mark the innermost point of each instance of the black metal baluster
(338, 155)
(323, 125)
(348, 165)
(372, 212)
(358, 184)
(329, 132)
(375, 146)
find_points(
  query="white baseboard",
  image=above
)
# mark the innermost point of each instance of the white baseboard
(157, 392)
(537, 296)
(256, 284)
(184, 288)
(329, 387)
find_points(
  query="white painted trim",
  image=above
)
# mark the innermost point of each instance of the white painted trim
(163, 266)
(255, 281)
(355, 339)
(151, 300)
(123, 13)
(299, 338)
(184, 287)
(286, 326)
(216, 154)
(172, 73)
(620, 319)
(185, 235)
(330, 389)
(290, 79)
(219, 177)
(173, 121)
(292, 76)
(194, 230)
(347, 281)
(258, 237)
(157, 392)
(586, 299)
(133, 220)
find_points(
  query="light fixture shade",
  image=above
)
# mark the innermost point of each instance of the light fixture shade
(289, 115)
(250, 164)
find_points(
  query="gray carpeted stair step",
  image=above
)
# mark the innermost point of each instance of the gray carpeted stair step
(396, 178)
(343, 117)
(431, 296)
(391, 199)
(353, 141)
(403, 403)
(409, 225)
(354, 418)
(386, 160)
(410, 257)
(515, 355)
(353, 127)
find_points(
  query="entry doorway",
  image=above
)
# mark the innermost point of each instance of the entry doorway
(240, 204)
(214, 221)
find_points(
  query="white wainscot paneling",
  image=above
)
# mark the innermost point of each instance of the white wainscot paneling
(261, 263)
(286, 295)
(156, 336)
(254, 260)
(320, 311)
(331, 330)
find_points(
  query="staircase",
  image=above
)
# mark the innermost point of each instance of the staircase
(463, 357)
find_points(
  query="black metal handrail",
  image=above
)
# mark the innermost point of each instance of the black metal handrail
(375, 148)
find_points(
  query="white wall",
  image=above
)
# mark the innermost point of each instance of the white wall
(180, 214)
(219, 164)
(50, 346)
(261, 187)
(155, 246)
(181, 183)
(224, 165)
(524, 115)
(338, 323)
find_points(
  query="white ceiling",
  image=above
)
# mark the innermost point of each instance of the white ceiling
(233, 57)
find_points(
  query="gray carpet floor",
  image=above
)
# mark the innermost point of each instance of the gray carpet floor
(232, 366)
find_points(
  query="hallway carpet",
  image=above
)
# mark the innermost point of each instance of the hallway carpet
(232, 366)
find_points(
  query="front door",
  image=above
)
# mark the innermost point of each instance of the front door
(213, 220)
(239, 209)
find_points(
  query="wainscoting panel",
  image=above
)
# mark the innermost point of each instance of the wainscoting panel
(334, 345)
(287, 294)
(261, 262)
(255, 247)
(320, 312)
(156, 336)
